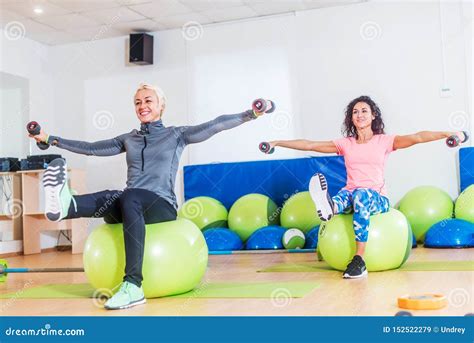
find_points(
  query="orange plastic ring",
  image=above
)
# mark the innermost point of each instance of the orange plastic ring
(422, 302)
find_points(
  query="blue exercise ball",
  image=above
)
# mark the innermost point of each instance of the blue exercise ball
(413, 244)
(312, 238)
(450, 233)
(266, 238)
(222, 239)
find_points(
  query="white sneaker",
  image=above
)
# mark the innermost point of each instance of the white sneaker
(318, 189)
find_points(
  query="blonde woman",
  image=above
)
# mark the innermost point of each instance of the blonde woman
(152, 154)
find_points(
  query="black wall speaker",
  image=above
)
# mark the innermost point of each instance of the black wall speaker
(141, 48)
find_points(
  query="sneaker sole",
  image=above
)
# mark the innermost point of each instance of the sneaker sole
(318, 189)
(347, 276)
(54, 179)
(135, 303)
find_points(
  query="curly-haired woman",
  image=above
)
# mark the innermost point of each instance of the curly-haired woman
(365, 148)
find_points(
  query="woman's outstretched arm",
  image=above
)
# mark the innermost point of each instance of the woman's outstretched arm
(306, 145)
(204, 131)
(406, 141)
(108, 147)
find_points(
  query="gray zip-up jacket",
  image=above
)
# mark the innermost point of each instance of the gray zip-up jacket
(153, 152)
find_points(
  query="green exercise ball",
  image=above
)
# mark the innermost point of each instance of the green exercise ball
(425, 206)
(464, 208)
(299, 212)
(175, 258)
(252, 212)
(205, 212)
(388, 245)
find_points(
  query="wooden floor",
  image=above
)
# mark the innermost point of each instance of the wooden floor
(373, 296)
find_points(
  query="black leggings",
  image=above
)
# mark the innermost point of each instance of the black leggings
(134, 208)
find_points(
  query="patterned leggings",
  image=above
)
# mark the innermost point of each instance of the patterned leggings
(364, 202)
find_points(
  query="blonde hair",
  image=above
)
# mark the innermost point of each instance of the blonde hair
(160, 95)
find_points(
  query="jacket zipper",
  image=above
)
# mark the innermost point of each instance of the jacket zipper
(143, 154)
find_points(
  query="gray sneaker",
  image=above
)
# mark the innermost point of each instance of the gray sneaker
(56, 189)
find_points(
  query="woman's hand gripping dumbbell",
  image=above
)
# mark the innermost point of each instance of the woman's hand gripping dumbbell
(34, 129)
(261, 106)
(456, 139)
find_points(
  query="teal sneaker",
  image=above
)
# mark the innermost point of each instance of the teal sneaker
(56, 190)
(128, 295)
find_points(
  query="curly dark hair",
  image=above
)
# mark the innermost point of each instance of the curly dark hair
(349, 129)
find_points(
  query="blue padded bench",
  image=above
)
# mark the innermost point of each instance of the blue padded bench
(466, 167)
(278, 179)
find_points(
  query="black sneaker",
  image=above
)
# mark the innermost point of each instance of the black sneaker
(355, 269)
(318, 189)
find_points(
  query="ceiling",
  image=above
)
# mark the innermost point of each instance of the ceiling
(68, 21)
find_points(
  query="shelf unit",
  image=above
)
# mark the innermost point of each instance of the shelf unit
(34, 219)
(13, 233)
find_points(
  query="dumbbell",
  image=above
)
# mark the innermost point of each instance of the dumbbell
(34, 129)
(454, 140)
(403, 314)
(4, 270)
(266, 148)
(263, 106)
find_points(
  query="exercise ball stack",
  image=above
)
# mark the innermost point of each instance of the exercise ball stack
(424, 206)
(251, 212)
(205, 212)
(464, 207)
(299, 212)
(175, 258)
(388, 247)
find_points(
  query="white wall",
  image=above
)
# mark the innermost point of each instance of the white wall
(468, 30)
(11, 103)
(311, 63)
(32, 61)
(401, 69)
(315, 62)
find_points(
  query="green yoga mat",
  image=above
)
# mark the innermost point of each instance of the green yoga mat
(307, 267)
(413, 266)
(438, 266)
(292, 289)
